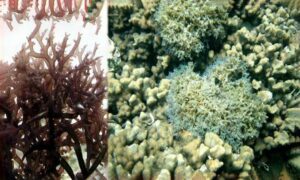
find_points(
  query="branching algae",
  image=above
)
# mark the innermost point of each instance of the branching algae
(220, 101)
(189, 28)
(50, 106)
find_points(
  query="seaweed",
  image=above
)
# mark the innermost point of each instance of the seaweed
(43, 9)
(219, 101)
(49, 106)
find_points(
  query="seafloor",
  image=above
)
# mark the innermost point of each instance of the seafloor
(204, 89)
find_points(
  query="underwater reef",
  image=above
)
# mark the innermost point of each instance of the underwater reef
(204, 90)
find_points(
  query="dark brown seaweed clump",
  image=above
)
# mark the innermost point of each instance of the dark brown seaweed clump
(48, 107)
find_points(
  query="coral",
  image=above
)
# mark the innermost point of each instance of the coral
(134, 93)
(292, 120)
(120, 3)
(134, 85)
(253, 6)
(124, 14)
(151, 152)
(137, 42)
(187, 35)
(220, 101)
(137, 84)
(294, 162)
(149, 5)
(119, 17)
(138, 46)
(143, 18)
(51, 107)
(271, 51)
(293, 5)
(247, 8)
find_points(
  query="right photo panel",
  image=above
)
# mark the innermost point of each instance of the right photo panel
(204, 89)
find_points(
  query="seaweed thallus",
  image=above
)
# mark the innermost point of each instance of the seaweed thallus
(23, 9)
(49, 106)
(186, 35)
(219, 101)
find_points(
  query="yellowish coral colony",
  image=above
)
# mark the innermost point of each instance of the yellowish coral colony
(204, 89)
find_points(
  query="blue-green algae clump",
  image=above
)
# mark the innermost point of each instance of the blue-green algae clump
(220, 101)
(189, 27)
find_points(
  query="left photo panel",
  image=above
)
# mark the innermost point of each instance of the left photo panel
(53, 89)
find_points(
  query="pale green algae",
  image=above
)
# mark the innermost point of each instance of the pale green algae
(220, 101)
(190, 27)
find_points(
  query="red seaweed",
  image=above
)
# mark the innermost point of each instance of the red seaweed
(57, 9)
(48, 107)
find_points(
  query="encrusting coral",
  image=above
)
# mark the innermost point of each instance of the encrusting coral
(186, 35)
(220, 101)
(53, 107)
